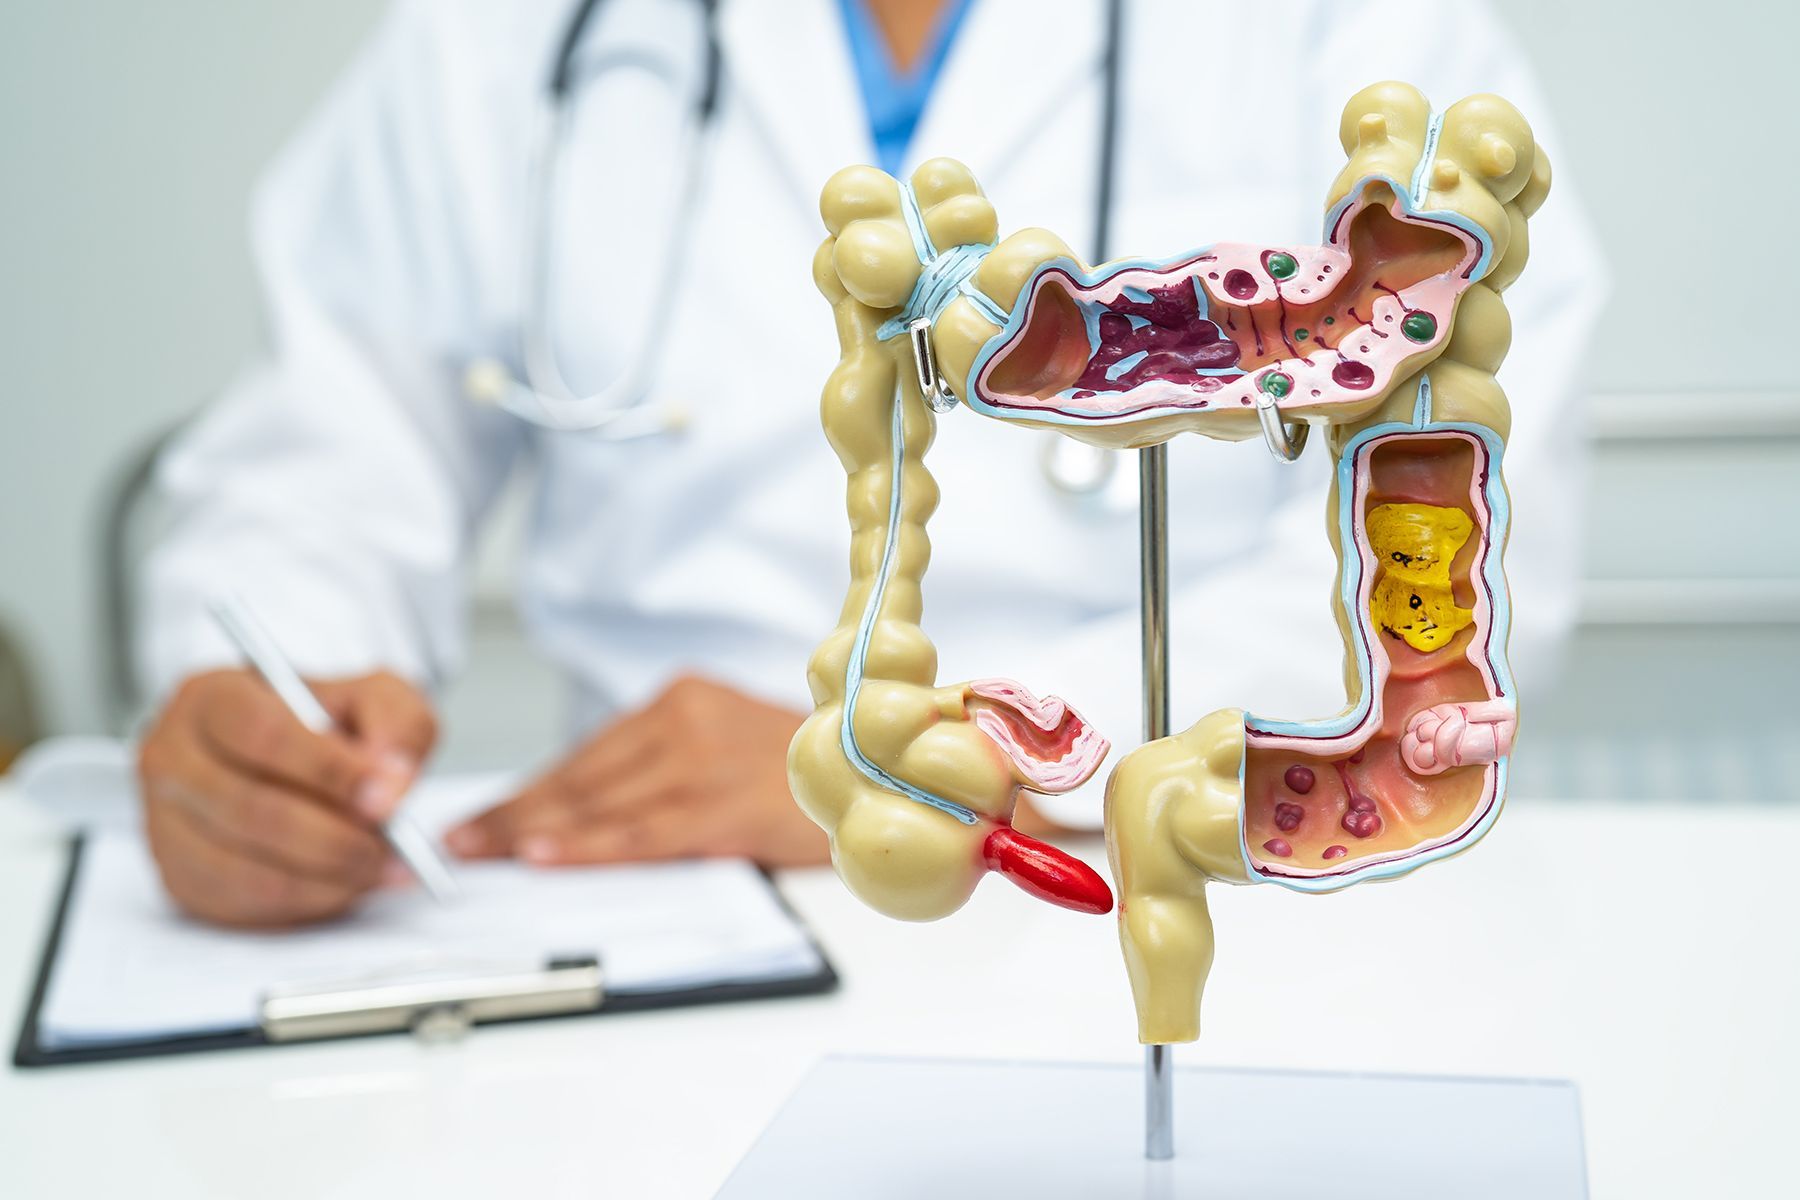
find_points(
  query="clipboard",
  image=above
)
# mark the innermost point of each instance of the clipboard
(569, 988)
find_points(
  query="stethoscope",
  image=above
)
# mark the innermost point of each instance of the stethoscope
(620, 411)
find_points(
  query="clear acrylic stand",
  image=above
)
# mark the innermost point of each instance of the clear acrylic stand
(921, 1129)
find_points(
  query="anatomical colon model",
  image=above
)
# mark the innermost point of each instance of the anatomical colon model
(1388, 335)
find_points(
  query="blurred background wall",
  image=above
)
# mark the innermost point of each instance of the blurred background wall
(129, 137)
(130, 134)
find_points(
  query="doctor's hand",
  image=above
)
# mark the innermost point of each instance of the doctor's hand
(256, 821)
(701, 771)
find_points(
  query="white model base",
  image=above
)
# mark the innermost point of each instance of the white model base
(899, 1129)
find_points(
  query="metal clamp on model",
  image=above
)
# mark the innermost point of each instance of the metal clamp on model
(936, 392)
(437, 1005)
(1286, 439)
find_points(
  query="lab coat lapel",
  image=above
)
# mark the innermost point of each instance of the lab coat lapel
(1011, 69)
(789, 63)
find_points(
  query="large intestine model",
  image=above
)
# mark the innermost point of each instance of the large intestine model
(1388, 335)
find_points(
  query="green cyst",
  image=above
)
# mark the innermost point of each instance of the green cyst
(1300, 335)
(1277, 384)
(1331, 320)
(1419, 326)
(1282, 266)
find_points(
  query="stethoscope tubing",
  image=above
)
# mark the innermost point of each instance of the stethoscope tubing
(619, 411)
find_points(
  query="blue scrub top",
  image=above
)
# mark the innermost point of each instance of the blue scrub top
(895, 101)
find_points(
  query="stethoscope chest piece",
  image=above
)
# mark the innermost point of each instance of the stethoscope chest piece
(488, 383)
(1076, 468)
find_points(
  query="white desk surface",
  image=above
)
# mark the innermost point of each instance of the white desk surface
(1609, 945)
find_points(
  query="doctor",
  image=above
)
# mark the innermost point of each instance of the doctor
(684, 558)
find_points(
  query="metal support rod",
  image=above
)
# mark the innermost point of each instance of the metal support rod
(1159, 1102)
(1153, 582)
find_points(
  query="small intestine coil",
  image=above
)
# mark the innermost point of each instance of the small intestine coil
(1388, 335)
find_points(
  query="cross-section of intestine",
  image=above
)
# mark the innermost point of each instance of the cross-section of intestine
(1316, 328)
(1328, 802)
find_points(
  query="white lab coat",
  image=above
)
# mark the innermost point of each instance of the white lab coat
(340, 483)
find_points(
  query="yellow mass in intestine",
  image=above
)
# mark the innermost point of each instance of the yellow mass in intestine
(1415, 544)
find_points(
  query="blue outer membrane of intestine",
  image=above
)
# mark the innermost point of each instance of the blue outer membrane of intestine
(865, 632)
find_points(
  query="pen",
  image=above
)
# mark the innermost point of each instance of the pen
(407, 839)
